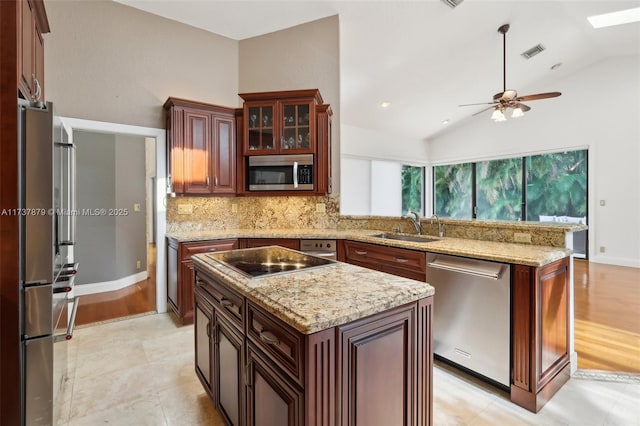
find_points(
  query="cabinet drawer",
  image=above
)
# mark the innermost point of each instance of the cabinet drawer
(279, 341)
(393, 260)
(189, 249)
(224, 300)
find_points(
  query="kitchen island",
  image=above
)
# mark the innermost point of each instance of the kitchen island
(329, 345)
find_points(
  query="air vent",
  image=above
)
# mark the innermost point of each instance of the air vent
(452, 3)
(533, 51)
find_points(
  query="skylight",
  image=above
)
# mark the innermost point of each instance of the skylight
(615, 18)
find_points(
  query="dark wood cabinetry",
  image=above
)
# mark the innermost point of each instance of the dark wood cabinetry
(270, 374)
(201, 144)
(540, 328)
(180, 274)
(286, 122)
(32, 23)
(397, 261)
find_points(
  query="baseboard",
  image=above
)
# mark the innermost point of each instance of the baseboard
(93, 288)
(618, 261)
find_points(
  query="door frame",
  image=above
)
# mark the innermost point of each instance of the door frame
(160, 190)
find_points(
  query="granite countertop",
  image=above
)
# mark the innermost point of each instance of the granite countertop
(323, 297)
(522, 254)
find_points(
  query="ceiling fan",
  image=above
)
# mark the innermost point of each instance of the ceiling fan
(509, 99)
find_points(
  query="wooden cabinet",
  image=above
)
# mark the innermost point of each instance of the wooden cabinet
(393, 260)
(280, 122)
(292, 243)
(540, 328)
(32, 23)
(203, 318)
(287, 122)
(201, 145)
(180, 274)
(273, 375)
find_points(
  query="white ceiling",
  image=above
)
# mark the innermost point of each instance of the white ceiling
(424, 57)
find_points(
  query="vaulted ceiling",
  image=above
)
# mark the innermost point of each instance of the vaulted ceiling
(424, 57)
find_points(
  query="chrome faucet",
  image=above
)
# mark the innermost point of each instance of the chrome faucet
(440, 225)
(415, 219)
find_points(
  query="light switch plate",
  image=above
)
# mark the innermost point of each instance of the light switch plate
(136, 207)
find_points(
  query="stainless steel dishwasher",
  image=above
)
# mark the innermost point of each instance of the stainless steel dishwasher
(472, 305)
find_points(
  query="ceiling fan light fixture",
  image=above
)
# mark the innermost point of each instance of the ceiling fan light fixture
(517, 112)
(498, 115)
(452, 3)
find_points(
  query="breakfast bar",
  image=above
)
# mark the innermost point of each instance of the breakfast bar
(315, 344)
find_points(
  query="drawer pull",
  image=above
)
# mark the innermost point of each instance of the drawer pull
(269, 338)
(212, 249)
(226, 302)
(402, 259)
(361, 252)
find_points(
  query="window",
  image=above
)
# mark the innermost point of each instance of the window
(499, 189)
(556, 188)
(453, 186)
(412, 189)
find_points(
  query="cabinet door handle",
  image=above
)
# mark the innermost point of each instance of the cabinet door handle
(207, 180)
(208, 328)
(361, 252)
(215, 181)
(247, 374)
(38, 88)
(226, 302)
(269, 338)
(402, 259)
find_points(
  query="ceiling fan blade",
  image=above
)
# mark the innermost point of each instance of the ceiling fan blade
(538, 96)
(523, 107)
(481, 103)
(483, 110)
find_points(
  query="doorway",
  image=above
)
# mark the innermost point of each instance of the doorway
(155, 224)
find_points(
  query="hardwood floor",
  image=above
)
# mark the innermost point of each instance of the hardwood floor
(607, 313)
(136, 299)
(607, 316)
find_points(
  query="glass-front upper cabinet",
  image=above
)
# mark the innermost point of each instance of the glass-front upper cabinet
(296, 127)
(260, 121)
(280, 122)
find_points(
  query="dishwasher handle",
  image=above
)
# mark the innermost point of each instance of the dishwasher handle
(476, 268)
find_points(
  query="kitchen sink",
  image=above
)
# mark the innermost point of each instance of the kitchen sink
(403, 237)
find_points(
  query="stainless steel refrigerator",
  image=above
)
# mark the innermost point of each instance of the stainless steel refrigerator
(46, 264)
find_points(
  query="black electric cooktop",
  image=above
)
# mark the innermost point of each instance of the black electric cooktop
(261, 261)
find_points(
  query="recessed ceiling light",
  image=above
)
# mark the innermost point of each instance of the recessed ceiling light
(385, 104)
(445, 122)
(615, 18)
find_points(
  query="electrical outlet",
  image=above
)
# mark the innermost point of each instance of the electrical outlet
(234, 208)
(320, 208)
(136, 207)
(185, 208)
(602, 249)
(138, 264)
(521, 237)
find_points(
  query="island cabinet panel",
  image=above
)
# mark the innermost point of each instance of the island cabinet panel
(228, 358)
(372, 371)
(540, 325)
(397, 261)
(379, 369)
(180, 273)
(201, 147)
(203, 344)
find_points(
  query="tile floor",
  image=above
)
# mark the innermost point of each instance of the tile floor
(139, 371)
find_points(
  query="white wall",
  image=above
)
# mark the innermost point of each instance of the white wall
(355, 186)
(386, 188)
(379, 145)
(600, 110)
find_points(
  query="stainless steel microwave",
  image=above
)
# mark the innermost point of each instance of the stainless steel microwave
(281, 172)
